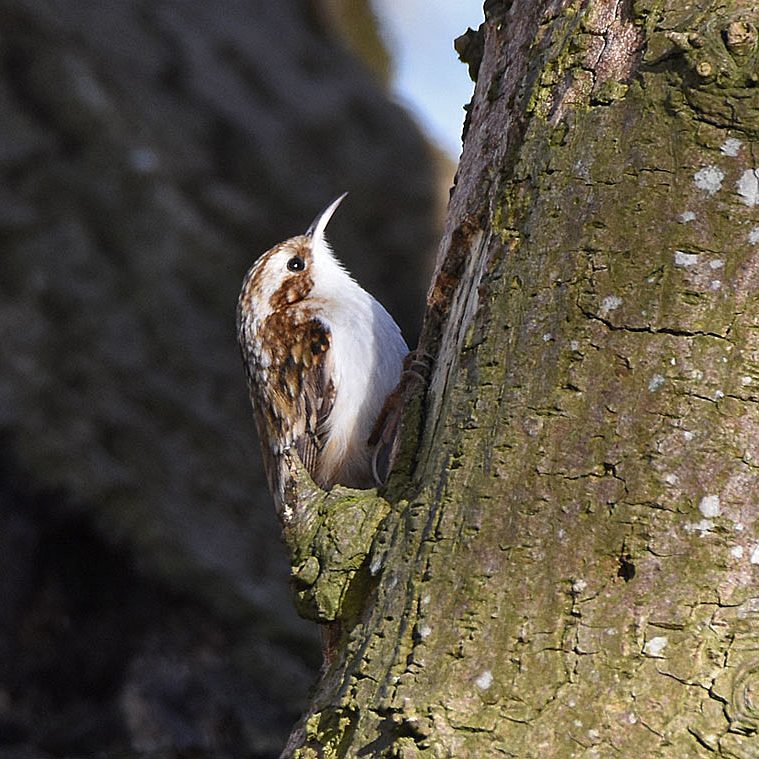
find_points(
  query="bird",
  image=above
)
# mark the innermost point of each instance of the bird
(322, 357)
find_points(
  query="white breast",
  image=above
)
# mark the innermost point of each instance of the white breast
(367, 355)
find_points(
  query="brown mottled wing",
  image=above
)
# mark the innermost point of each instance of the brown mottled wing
(317, 393)
(300, 391)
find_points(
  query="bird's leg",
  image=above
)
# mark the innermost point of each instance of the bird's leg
(384, 437)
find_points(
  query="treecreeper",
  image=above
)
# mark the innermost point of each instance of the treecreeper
(324, 360)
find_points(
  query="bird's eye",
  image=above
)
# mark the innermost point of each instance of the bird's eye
(296, 263)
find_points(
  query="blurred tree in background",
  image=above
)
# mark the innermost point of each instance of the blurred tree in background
(148, 153)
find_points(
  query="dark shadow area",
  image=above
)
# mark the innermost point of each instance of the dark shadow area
(149, 152)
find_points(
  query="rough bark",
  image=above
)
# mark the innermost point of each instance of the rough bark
(571, 560)
(149, 151)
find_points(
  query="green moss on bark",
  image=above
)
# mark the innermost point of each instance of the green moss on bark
(329, 536)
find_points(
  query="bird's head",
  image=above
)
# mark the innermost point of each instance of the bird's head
(295, 270)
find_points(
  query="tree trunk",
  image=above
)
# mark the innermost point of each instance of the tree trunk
(571, 560)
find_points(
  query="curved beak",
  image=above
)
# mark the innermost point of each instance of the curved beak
(319, 224)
